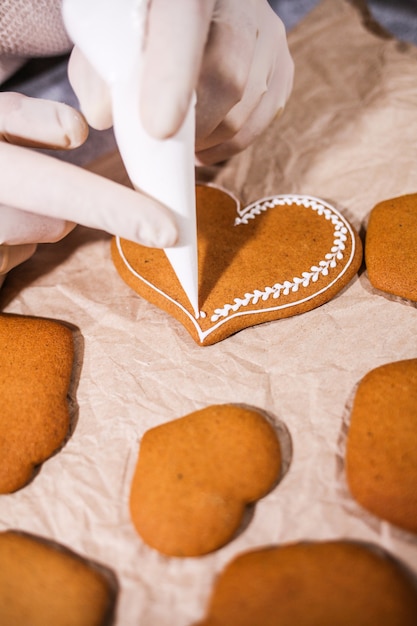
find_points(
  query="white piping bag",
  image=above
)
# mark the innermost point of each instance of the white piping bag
(110, 35)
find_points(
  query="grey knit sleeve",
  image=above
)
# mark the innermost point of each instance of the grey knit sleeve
(30, 28)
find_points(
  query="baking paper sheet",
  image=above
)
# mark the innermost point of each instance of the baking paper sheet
(348, 135)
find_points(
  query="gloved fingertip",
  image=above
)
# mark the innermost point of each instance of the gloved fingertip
(157, 235)
(161, 117)
(80, 130)
(169, 237)
(74, 125)
(98, 119)
(154, 224)
(91, 90)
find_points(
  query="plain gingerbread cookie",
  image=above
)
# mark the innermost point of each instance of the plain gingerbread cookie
(391, 246)
(333, 583)
(275, 258)
(196, 475)
(45, 584)
(381, 452)
(36, 360)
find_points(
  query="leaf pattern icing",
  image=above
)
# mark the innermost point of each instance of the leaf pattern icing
(313, 274)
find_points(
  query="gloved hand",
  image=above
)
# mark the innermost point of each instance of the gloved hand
(233, 53)
(41, 198)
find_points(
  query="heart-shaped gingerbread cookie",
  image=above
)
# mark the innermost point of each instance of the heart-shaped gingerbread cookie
(196, 475)
(275, 258)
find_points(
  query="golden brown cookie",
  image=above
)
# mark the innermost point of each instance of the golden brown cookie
(381, 453)
(333, 583)
(196, 475)
(391, 246)
(44, 584)
(36, 358)
(272, 259)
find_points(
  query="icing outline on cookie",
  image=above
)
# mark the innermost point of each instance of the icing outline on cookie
(251, 212)
(313, 275)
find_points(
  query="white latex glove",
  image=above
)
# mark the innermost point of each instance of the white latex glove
(41, 198)
(234, 53)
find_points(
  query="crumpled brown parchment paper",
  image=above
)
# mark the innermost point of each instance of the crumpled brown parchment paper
(348, 135)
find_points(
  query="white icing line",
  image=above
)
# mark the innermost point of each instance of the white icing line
(322, 266)
(152, 286)
(252, 210)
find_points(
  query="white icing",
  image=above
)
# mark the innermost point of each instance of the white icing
(314, 272)
(323, 209)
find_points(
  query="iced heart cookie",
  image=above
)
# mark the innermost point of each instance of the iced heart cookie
(36, 358)
(381, 451)
(274, 258)
(391, 246)
(44, 583)
(307, 584)
(196, 475)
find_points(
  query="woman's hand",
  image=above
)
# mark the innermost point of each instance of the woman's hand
(42, 198)
(233, 53)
